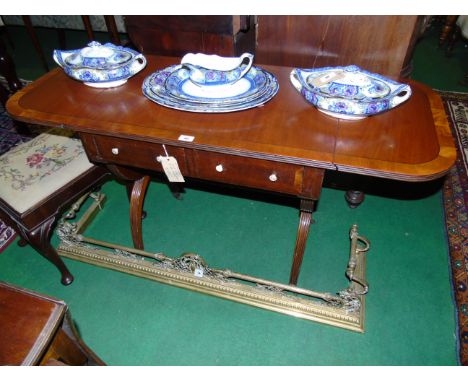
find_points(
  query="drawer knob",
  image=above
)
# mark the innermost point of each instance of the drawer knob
(273, 177)
(219, 168)
(115, 150)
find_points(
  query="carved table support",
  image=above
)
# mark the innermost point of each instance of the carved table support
(136, 210)
(306, 208)
(136, 191)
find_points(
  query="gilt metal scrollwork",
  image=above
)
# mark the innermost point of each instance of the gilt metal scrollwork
(343, 309)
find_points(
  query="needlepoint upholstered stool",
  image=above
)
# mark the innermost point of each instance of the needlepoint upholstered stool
(38, 180)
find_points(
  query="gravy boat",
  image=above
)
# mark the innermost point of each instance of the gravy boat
(211, 70)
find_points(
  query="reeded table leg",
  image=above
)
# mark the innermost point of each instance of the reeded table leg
(306, 208)
(139, 184)
(136, 209)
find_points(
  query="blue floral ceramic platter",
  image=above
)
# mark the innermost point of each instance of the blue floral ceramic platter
(99, 65)
(348, 92)
(154, 87)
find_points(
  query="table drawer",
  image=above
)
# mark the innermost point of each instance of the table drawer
(133, 153)
(250, 172)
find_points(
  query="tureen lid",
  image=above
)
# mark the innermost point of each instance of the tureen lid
(97, 56)
(349, 82)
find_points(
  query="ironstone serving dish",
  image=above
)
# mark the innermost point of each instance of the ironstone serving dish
(172, 87)
(348, 92)
(101, 66)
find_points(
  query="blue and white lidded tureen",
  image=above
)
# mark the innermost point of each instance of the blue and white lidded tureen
(348, 92)
(101, 66)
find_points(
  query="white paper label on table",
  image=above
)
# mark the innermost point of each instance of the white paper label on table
(171, 168)
(186, 138)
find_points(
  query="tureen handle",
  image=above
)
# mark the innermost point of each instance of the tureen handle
(58, 57)
(141, 61)
(402, 95)
(294, 78)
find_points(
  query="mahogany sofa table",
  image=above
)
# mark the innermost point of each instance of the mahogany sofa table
(285, 146)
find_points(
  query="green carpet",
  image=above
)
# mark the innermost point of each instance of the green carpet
(409, 319)
(131, 321)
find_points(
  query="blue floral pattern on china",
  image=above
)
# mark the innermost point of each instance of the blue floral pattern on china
(100, 65)
(210, 77)
(102, 62)
(349, 92)
(171, 87)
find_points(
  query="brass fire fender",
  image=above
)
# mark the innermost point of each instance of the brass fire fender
(345, 309)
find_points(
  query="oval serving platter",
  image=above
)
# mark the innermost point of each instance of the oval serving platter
(196, 107)
(169, 87)
(348, 92)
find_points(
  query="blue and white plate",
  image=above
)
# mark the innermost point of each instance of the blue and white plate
(348, 92)
(171, 87)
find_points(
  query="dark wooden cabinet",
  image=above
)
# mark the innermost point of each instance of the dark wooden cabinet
(178, 35)
(380, 44)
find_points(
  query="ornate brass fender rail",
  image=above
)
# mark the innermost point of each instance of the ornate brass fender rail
(345, 309)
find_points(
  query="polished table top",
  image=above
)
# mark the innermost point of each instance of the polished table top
(28, 321)
(411, 142)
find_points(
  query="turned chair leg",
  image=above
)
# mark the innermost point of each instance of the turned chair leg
(39, 239)
(447, 29)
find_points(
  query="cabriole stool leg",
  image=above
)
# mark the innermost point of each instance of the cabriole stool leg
(39, 239)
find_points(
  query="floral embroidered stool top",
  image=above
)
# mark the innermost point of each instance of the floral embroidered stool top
(33, 170)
